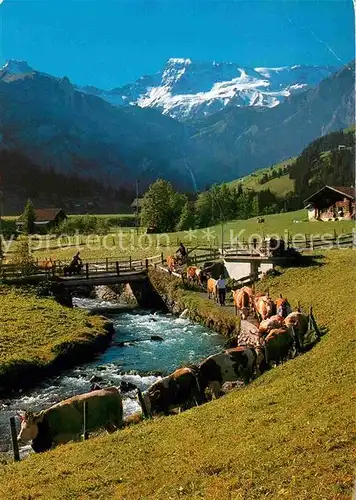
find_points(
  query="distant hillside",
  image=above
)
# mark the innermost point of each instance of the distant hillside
(22, 179)
(275, 178)
(327, 160)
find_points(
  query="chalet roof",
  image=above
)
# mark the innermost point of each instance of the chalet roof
(45, 214)
(345, 191)
(348, 191)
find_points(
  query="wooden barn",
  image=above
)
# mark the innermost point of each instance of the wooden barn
(46, 219)
(331, 203)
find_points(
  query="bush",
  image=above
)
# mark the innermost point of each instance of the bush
(23, 258)
(84, 224)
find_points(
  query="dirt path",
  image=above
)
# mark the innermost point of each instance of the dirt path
(249, 328)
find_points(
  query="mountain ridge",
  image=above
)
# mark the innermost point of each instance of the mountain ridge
(56, 124)
(187, 89)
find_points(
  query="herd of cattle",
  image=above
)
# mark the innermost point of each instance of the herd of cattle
(282, 333)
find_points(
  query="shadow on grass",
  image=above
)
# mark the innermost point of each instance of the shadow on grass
(303, 261)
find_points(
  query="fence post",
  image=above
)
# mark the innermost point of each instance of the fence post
(311, 242)
(335, 237)
(306, 240)
(195, 259)
(85, 421)
(107, 264)
(130, 262)
(117, 268)
(146, 263)
(15, 445)
(145, 412)
(162, 260)
(87, 270)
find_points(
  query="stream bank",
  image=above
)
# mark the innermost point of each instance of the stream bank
(145, 345)
(179, 297)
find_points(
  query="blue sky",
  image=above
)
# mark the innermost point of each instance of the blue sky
(108, 43)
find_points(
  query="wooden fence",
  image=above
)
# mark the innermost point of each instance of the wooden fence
(90, 268)
(305, 242)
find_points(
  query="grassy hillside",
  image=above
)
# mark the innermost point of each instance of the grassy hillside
(279, 186)
(287, 435)
(35, 331)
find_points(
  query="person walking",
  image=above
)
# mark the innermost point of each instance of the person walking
(221, 286)
(182, 253)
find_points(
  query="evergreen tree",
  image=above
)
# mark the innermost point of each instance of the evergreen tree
(29, 218)
(255, 209)
(204, 209)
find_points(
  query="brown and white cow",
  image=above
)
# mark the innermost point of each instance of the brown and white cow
(264, 306)
(179, 389)
(191, 273)
(211, 288)
(63, 421)
(239, 363)
(196, 274)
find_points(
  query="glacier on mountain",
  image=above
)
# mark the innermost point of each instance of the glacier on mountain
(187, 89)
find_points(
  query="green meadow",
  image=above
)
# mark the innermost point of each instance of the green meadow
(287, 435)
(124, 242)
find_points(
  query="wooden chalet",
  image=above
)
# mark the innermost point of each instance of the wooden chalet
(46, 219)
(331, 203)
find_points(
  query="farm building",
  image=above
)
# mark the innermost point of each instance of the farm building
(46, 219)
(331, 203)
(137, 204)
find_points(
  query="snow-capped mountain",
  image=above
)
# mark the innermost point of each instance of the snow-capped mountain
(189, 90)
(14, 67)
(62, 126)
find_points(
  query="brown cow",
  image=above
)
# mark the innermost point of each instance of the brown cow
(171, 263)
(265, 307)
(278, 345)
(283, 307)
(179, 389)
(46, 264)
(270, 323)
(300, 323)
(211, 287)
(242, 302)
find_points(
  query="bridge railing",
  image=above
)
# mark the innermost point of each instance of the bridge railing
(90, 268)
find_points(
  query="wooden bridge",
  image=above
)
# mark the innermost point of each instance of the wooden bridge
(93, 273)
